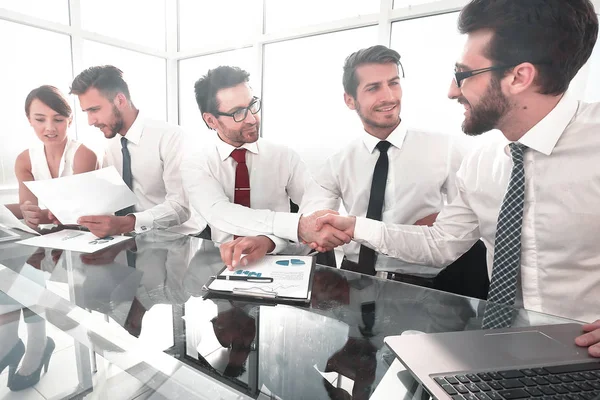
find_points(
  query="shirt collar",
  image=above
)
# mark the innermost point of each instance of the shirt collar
(396, 138)
(546, 133)
(225, 149)
(134, 134)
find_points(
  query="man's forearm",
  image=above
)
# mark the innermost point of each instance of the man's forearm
(414, 244)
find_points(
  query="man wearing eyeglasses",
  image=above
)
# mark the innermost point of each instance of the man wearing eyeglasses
(533, 193)
(240, 184)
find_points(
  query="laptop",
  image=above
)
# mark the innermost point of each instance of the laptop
(7, 234)
(502, 364)
(10, 226)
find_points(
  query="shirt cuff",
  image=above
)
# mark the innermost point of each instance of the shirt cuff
(280, 244)
(285, 225)
(367, 230)
(143, 221)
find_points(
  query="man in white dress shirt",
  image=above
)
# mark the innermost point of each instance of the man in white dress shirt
(240, 184)
(147, 154)
(531, 194)
(419, 177)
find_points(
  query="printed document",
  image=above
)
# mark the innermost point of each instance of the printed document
(74, 240)
(100, 192)
(291, 278)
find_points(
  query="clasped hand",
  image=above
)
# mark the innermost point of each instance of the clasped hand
(319, 231)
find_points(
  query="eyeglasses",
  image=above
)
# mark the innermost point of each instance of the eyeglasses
(242, 113)
(459, 76)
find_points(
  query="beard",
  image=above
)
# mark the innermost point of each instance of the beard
(370, 122)
(237, 135)
(116, 126)
(492, 107)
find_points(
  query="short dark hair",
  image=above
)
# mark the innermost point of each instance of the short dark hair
(222, 77)
(107, 79)
(560, 34)
(50, 96)
(373, 55)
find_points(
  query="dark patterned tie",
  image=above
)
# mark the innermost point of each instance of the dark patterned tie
(127, 177)
(507, 246)
(367, 256)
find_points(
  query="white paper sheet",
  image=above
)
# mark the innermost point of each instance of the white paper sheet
(390, 386)
(288, 281)
(9, 220)
(69, 239)
(100, 192)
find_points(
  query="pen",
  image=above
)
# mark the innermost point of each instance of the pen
(255, 279)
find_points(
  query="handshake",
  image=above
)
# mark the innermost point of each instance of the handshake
(325, 230)
(322, 230)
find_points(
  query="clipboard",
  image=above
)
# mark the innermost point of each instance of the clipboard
(256, 294)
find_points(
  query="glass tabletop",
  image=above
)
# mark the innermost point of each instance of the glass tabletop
(139, 311)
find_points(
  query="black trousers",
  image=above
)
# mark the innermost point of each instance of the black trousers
(467, 276)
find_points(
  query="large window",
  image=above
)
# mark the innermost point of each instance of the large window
(51, 10)
(429, 63)
(591, 81)
(138, 21)
(410, 3)
(209, 23)
(293, 50)
(303, 103)
(145, 75)
(193, 69)
(37, 58)
(287, 14)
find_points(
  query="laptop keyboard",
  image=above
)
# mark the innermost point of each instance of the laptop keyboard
(562, 382)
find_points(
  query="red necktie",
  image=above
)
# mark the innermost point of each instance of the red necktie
(242, 179)
(241, 194)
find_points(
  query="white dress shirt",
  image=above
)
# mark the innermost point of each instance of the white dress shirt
(422, 170)
(560, 260)
(277, 174)
(156, 151)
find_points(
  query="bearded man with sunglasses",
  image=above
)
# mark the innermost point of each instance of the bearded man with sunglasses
(532, 193)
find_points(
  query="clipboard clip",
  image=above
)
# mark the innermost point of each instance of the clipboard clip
(255, 292)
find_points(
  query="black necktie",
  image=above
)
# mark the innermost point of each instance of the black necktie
(367, 256)
(131, 258)
(368, 316)
(127, 178)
